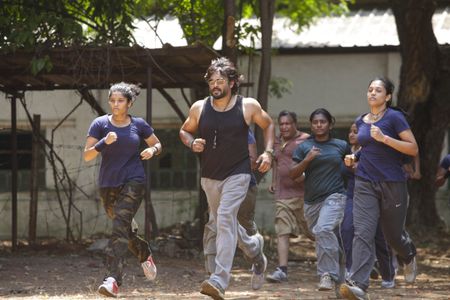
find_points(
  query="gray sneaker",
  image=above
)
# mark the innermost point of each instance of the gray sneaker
(212, 289)
(326, 283)
(353, 292)
(277, 276)
(259, 265)
(410, 271)
(388, 284)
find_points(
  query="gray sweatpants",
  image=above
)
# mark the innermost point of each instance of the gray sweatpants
(246, 217)
(324, 219)
(373, 202)
(224, 199)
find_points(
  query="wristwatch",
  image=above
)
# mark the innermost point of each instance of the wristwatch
(269, 151)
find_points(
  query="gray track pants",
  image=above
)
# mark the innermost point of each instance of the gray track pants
(386, 202)
(324, 219)
(224, 199)
(246, 217)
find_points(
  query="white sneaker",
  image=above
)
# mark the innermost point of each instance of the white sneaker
(259, 266)
(388, 284)
(326, 283)
(109, 288)
(149, 268)
(410, 271)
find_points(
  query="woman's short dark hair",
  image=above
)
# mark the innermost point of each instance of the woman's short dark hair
(325, 113)
(128, 90)
(226, 68)
(388, 86)
(286, 113)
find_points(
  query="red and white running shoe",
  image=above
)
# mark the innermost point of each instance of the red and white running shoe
(109, 288)
(149, 268)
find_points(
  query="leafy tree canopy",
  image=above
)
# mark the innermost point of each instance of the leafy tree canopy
(48, 23)
(202, 20)
(36, 23)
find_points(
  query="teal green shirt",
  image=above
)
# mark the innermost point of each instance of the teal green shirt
(323, 176)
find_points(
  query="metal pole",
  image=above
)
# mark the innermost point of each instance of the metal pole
(34, 180)
(151, 227)
(14, 172)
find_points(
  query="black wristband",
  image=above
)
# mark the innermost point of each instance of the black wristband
(101, 145)
(192, 143)
(156, 150)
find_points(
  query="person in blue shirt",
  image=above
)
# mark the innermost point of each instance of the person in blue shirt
(321, 159)
(117, 137)
(380, 193)
(443, 172)
(385, 260)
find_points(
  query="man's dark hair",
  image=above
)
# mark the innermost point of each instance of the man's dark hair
(286, 113)
(226, 68)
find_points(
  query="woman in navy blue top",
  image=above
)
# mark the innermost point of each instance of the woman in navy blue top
(117, 137)
(385, 261)
(380, 193)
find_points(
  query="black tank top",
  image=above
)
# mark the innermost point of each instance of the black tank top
(228, 132)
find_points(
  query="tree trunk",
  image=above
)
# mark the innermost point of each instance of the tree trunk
(228, 36)
(267, 8)
(424, 93)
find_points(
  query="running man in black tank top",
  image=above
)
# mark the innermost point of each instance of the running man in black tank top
(222, 121)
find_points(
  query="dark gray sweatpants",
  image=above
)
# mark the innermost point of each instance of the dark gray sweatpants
(386, 202)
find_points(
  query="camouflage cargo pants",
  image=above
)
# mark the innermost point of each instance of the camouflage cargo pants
(121, 204)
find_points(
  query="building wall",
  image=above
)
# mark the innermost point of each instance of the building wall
(337, 82)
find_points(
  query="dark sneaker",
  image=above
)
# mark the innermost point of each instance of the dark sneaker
(259, 265)
(109, 288)
(149, 268)
(277, 276)
(212, 289)
(326, 283)
(410, 271)
(353, 292)
(375, 273)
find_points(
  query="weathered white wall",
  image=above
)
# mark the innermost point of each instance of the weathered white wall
(337, 82)
(171, 207)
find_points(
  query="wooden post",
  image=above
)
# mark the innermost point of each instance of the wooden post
(34, 180)
(151, 227)
(14, 172)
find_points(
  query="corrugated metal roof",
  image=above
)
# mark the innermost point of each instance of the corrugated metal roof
(361, 28)
(98, 67)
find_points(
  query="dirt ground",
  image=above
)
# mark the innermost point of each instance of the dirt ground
(58, 270)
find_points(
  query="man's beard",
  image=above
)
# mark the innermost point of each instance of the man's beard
(219, 95)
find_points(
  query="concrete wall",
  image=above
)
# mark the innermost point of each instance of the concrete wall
(337, 82)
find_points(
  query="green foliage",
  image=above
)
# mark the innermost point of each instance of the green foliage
(201, 20)
(33, 24)
(248, 31)
(304, 12)
(279, 86)
(40, 64)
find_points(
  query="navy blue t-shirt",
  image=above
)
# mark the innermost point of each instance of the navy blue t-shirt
(323, 176)
(377, 161)
(121, 160)
(445, 164)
